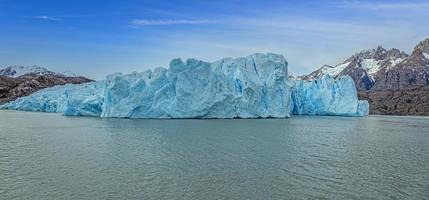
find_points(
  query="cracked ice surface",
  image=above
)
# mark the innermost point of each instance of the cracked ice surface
(249, 87)
(84, 99)
(327, 96)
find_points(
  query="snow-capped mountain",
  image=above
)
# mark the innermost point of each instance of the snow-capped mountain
(374, 68)
(15, 71)
(411, 72)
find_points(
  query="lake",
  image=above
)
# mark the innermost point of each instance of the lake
(49, 156)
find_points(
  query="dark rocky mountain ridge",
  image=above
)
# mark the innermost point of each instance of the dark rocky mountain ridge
(12, 88)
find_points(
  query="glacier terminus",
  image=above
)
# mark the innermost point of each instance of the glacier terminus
(256, 86)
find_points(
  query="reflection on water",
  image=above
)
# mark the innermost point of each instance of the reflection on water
(48, 156)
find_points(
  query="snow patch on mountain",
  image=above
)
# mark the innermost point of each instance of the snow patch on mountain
(371, 66)
(334, 71)
(394, 62)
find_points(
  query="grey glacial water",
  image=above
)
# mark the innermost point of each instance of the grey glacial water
(49, 156)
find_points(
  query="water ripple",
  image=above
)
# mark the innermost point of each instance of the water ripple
(376, 157)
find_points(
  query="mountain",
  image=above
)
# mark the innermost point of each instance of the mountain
(411, 72)
(363, 67)
(18, 81)
(15, 70)
(424, 47)
(391, 80)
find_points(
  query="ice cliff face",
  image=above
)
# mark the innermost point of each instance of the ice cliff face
(254, 86)
(327, 96)
(249, 87)
(83, 99)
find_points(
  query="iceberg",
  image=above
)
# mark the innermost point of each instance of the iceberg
(255, 86)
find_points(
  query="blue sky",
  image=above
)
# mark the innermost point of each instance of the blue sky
(96, 38)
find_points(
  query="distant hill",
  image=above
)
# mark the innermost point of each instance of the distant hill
(15, 71)
(18, 81)
(392, 81)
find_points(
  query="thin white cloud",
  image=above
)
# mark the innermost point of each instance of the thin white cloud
(265, 25)
(55, 17)
(150, 22)
(384, 5)
(49, 18)
(281, 26)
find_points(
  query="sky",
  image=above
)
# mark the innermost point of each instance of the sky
(100, 37)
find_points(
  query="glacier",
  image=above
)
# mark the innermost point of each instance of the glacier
(255, 86)
(71, 99)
